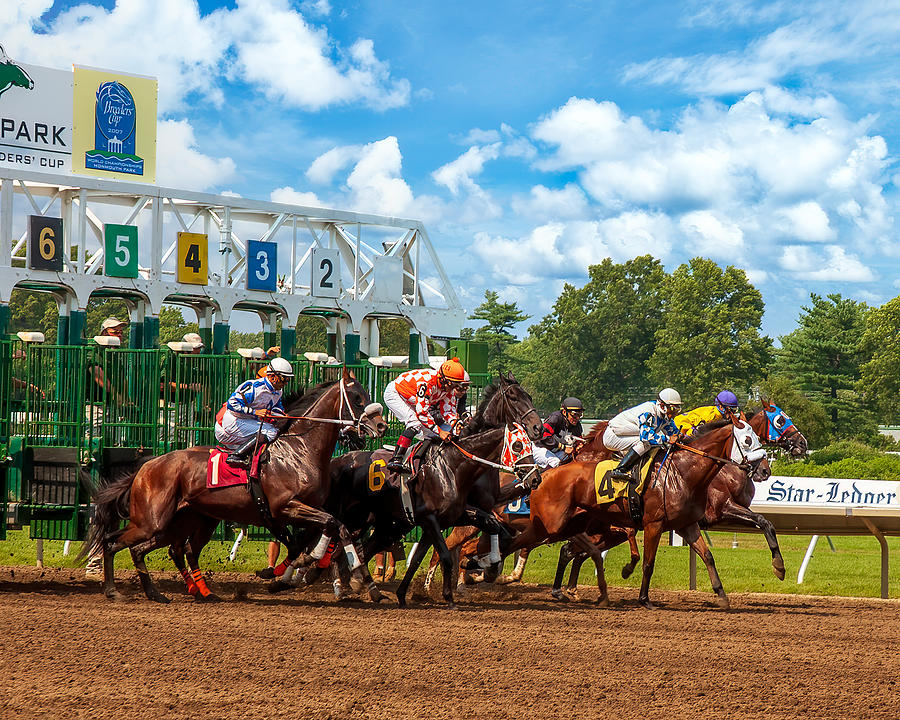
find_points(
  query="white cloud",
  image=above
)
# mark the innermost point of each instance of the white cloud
(328, 164)
(711, 235)
(180, 164)
(808, 221)
(264, 42)
(832, 265)
(458, 174)
(545, 203)
(289, 196)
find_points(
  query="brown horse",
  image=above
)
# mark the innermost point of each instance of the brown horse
(565, 504)
(729, 498)
(167, 499)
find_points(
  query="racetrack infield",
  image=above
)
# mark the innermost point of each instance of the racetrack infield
(506, 653)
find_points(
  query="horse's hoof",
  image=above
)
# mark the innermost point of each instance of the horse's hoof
(724, 603)
(645, 603)
(114, 595)
(504, 580)
(160, 598)
(277, 586)
(572, 594)
(375, 594)
(468, 579)
(266, 573)
(401, 600)
(559, 595)
(626, 571)
(603, 602)
(778, 570)
(356, 584)
(211, 598)
(452, 606)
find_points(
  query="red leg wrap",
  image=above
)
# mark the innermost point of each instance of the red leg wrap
(200, 583)
(326, 558)
(189, 582)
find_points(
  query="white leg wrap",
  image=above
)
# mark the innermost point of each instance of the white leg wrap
(429, 576)
(288, 573)
(494, 557)
(352, 558)
(520, 565)
(319, 550)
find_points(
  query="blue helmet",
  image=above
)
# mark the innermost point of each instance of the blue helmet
(727, 400)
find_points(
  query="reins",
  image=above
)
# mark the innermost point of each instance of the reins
(489, 463)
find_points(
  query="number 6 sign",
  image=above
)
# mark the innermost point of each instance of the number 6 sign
(120, 250)
(262, 265)
(326, 273)
(45, 247)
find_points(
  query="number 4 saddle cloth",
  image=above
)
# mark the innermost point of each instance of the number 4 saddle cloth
(610, 489)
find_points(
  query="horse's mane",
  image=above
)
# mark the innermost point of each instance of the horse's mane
(707, 428)
(595, 431)
(478, 423)
(298, 402)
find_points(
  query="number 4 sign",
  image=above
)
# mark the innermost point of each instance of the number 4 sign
(262, 265)
(192, 267)
(120, 250)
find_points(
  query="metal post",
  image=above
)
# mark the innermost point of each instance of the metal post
(220, 334)
(6, 223)
(693, 571)
(351, 348)
(806, 558)
(884, 554)
(331, 344)
(288, 341)
(413, 348)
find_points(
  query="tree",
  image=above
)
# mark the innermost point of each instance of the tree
(173, 326)
(33, 312)
(709, 338)
(880, 374)
(808, 415)
(500, 318)
(393, 337)
(824, 356)
(596, 342)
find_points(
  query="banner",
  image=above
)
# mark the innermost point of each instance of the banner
(114, 125)
(35, 117)
(783, 490)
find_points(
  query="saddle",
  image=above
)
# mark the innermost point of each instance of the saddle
(398, 481)
(610, 489)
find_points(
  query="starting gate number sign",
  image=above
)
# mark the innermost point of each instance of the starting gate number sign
(45, 243)
(120, 249)
(193, 266)
(262, 265)
(326, 273)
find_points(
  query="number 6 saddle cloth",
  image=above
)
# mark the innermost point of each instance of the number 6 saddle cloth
(610, 489)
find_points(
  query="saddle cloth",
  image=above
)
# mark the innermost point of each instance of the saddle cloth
(220, 474)
(519, 506)
(610, 489)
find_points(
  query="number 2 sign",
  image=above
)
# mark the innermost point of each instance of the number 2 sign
(192, 267)
(326, 273)
(120, 250)
(262, 265)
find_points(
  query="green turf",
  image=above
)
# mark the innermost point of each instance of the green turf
(853, 570)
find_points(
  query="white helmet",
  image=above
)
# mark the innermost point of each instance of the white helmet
(280, 366)
(668, 396)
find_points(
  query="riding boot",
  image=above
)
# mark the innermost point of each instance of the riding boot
(241, 456)
(623, 469)
(396, 461)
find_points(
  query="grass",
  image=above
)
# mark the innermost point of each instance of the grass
(854, 569)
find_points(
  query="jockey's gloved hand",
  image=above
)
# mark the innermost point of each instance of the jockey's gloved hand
(444, 435)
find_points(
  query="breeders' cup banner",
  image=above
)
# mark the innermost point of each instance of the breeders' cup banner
(780, 490)
(35, 117)
(115, 125)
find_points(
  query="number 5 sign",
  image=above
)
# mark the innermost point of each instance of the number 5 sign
(262, 265)
(326, 273)
(120, 249)
(192, 267)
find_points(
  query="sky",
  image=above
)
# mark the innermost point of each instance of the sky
(534, 139)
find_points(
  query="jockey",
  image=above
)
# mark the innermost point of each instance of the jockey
(642, 427)
(726, 407)
(562, 431)
(425, 400)
(252, 403)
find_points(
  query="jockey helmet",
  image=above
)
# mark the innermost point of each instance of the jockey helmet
(669, 400)
(280, 366)
(452, 371)
(572, 403)
(727, 400)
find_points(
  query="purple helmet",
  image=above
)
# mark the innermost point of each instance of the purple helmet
(727, 400)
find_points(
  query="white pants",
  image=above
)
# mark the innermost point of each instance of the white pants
(547, 458)
(624, 443)
(406, 413)
(235, 431)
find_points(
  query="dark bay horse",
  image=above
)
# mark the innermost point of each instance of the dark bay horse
(167, 499)
(728, 500)
(565, 504)
(442, 493)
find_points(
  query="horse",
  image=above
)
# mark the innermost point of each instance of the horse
(167, 499)
(12, 75)
(728, 501)
(442, 491)
(565, 503)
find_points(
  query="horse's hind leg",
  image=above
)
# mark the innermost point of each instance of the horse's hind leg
(574, 573)
(138, 552)
(566, 553)
(198, 540)
(176, 553)
(692, 535)
(518, 571)
(635, 553)
(421, 548)
(586, 545)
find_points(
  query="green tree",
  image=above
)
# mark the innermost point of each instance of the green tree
(596, 342)
(393, 337)
(33, 312)
(710, 338)
(173, 326)
(824, 355)
(880, 374)
(499, 319)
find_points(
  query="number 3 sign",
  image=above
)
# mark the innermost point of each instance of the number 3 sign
(326, 273)
(120, 251)
(192, 268)
(262, 265)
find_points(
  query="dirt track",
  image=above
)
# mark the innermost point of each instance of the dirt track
(510, 653)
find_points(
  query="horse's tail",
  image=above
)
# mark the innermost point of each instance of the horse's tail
(111, 507)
